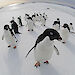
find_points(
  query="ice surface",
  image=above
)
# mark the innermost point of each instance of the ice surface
(13, 61)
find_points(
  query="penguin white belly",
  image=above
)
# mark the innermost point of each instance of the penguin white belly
(44, 50)
(71, 28)
(56, 27)
(9, 38)
(64, 34)
(30, 25)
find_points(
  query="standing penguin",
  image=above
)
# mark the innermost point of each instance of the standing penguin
(56, 24)
(43, 21)
(65, 32)
(14, 26)
(45, 16)
(9, 36)
(43, 48)
(34, 18)
(20, 21)
(30, 24)
(26, 16)
(71, 27)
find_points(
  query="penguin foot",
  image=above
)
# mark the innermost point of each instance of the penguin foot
(9, 46)
(64, 42)
(46, 62)
(37, 64)
(14, 47)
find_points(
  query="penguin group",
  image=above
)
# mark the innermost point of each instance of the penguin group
(31, 20)
(44, 45)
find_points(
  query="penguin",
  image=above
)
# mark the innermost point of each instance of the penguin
(26, 16)
(43, 21)
(20, 21)
(65, 30)
(9, 36)
(45, 16)
(44, 46)
(30, 24)
(58, 20)
(71, 27)
(56, 24)
(34, 18)
(37, 17)
(14, 27)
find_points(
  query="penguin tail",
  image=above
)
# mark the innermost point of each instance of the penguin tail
(29, 51)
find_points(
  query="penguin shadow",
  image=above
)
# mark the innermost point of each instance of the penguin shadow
(48, 69)
(14, 62)
(71, 46)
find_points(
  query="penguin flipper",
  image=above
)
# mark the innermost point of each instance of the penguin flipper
(29, 51)
(56, 50)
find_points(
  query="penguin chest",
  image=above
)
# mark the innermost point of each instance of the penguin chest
(65, 34)
(9, 38)
(44, 50)
(30, 24)
(56, 27)
(7, 35)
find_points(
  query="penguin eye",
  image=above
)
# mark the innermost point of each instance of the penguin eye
(51, 33)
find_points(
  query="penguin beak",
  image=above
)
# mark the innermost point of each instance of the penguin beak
(59, 39)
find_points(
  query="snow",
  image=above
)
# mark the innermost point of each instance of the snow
(13, 61)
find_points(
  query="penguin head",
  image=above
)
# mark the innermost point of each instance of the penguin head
(6, 27)
(26, 14)
(58, 19)
(11, 21)
(71, 24)
(29, 18)
(53, 34)
(33, 16)
(66, 26)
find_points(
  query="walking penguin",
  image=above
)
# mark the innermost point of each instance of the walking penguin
(43, 48)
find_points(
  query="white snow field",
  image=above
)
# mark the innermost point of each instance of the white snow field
(13, 61)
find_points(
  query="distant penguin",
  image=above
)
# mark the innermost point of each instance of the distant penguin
(20, 21)
(9, 36)
(44, 46)
(34, 18)
(56, 24)
(71, 27)
(14, 26)
(65, 30)
(30, 24)
(43, 21)
(45, 16)
(26, 16)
